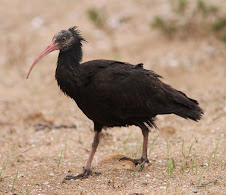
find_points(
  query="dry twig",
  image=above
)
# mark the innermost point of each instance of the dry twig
(41, 126)
(209, 182)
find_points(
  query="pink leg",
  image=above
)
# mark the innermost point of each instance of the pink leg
(141, 161)
(94, 148)
(87, 170)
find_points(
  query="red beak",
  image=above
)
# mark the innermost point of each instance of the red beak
(50, 48)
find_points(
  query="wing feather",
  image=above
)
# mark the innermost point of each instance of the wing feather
(130, 90)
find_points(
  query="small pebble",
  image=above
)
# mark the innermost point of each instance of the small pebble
(51, 174)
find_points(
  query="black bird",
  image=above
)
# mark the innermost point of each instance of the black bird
(113, 93)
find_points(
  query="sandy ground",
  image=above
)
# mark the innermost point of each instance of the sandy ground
(42, 158)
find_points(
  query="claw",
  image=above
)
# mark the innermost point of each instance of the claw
(84, 175)
(140, 162)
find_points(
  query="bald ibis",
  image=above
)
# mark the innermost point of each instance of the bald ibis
(113, 93)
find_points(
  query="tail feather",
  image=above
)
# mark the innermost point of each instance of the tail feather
(186, 107)
(190, 113)
(183, 106)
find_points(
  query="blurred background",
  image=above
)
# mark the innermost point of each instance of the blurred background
(182, 40)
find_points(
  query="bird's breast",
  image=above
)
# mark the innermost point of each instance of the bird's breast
(67, 80)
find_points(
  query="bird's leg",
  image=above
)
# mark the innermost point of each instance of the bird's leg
(94, 148)
(144, 159)
(87, 170)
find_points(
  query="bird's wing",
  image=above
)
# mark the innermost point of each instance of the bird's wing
(131, 90)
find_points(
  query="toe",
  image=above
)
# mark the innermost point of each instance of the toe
(141, 166)
(140, 162)
(125, 158)
(69, 177)
(84, 175)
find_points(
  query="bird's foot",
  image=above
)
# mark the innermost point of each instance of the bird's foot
(84, 175)
(140, 162)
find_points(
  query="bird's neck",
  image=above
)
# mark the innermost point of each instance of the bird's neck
(67, 71)
(71, 57)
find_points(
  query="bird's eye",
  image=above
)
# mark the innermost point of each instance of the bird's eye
(64, 39)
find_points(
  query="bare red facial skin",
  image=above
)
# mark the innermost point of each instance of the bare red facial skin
(50, 48)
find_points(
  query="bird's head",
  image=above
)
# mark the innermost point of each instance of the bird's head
(63, 41)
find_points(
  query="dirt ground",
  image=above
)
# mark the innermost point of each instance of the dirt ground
(186, 157)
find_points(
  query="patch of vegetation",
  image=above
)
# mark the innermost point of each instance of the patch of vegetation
(2, 178)
(206, 9)
(168, 27)
(99, 19)
(171, 165)
(23, 191)
(213, 154)
(196, 19)
(96, 16)
(59, 161)
(200, 178)
(219, 24)
(181, 5)
(136, 150)
(3, 168)
(219, 27)
(167, 185)
(14, 181)
(223, 37)
(150, 146)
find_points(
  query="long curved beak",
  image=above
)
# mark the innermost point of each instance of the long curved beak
(50, 48)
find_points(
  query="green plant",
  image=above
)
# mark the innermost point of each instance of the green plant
(223, 165)
(96, 17)
(219, 24)
(3, 168)
(200, 178)
(167, 185)
(182, 168)
(139, 166)
(223, 37)
(171, 165)
(206, 9)
(168, 148)
(182, 145)
(1, 178)
(181, 24)
(213, 154)
(219, 27)
(29, 190)
(166, 27)
(181, 5)
(190, 148)
(187, 158)
(150, 146)
(59, 161)
(14, 181)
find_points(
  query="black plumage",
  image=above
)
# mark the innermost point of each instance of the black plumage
(113, 93)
